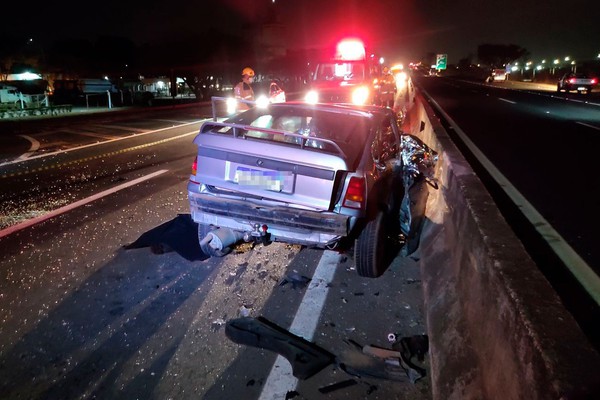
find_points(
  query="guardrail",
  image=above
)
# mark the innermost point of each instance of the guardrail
(497, 328)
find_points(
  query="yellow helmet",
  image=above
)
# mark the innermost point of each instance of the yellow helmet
(248, 71)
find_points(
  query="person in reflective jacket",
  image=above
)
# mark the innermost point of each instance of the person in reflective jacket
(243, 90)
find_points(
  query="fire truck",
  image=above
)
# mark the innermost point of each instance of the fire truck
(350, 76)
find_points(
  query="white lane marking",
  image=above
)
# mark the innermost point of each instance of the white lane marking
(35, 145)
(280, 379)
(79, 203)
(508, 101)
(573, 261)
(110, 141)
(588, 125)
(95, 144)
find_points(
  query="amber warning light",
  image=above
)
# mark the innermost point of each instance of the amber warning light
(350, 49)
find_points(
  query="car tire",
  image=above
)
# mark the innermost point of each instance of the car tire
(369, 248)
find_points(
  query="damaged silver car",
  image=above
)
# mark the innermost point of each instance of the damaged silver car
(325, 175)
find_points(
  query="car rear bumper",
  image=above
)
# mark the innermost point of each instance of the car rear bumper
(285, 224)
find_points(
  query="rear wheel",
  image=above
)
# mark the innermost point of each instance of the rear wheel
(369, 249)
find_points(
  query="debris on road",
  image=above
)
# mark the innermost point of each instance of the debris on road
(306, 358)
(297, 280)
(337, 386)
(402, 354)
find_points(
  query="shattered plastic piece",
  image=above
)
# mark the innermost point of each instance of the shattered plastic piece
(338, 385)
(306, 358)
(244, 312)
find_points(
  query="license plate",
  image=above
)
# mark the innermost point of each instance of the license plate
(582, 88)
(278, 181)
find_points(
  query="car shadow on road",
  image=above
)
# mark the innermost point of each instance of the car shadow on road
(179, 234)
(111, 333)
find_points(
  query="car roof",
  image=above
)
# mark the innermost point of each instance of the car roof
(366, 110)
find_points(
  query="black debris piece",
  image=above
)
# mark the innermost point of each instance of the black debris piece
(337, 386)
(371, 389)
(417, 345)
(291, 394)
(179, 234)
(354, 343)
(251, 382)
(297, 280)
(306, 358)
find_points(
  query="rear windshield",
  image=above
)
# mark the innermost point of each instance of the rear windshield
(349, 132)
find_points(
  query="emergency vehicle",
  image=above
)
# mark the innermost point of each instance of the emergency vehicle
(350, 77)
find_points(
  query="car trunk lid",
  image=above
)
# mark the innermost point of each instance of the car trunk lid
(268, 170)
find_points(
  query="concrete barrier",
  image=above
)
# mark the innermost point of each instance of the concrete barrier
(497, 328)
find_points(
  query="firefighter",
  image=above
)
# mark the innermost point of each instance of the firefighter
(243, 90)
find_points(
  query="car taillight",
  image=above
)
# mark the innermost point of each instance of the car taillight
(355, 195)
(594, 81)
(195, 166)
(572, 80)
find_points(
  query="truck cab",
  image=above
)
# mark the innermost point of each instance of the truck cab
(350, 77)
(12, 95)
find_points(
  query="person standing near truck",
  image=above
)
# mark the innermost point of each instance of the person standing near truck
(243, 90)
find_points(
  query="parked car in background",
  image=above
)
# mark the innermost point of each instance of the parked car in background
(320, 175)
(581, 82)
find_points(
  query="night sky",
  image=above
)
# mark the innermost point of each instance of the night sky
(402, 30)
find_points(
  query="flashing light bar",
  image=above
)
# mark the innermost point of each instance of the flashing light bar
(350, 49)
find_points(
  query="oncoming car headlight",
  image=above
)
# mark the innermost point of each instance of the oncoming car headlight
(360, 95)
(231, 105)
(312, 97)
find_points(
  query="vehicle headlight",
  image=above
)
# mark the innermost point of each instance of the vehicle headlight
(360, 95)
(262, 101)
(231, 105)
(312, 97)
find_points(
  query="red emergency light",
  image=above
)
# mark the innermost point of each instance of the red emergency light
(350, 49)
